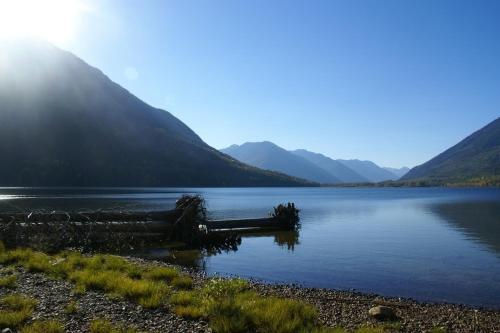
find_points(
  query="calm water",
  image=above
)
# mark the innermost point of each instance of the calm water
(430, 244)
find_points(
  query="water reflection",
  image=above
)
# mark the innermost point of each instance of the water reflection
(477, 220)
(284, 239)
(179, 255)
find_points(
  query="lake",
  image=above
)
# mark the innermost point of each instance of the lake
(430, 244)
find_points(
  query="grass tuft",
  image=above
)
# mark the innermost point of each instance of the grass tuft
(182, 282)
(8, 281)
(46, 326)
(227, 304)
(16, 309)
(105, 326)
(161, 273)
(71, 308)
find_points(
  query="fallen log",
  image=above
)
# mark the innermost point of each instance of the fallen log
(98, 216)
(255, 223)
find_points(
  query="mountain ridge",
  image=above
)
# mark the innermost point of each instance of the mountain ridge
(342, 171)
(65, 123)
(476, 156)
(269, 156)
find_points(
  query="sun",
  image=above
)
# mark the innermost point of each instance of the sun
(53, 20)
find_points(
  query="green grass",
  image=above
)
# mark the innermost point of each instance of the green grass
(8, 281)
(228, 305)
(231, 307)
(182, 282)
(161, 274)
(15, 310)
(105, 326)
(46, 326)
(71, 308)
(119, 278)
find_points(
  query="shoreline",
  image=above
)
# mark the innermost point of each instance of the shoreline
(349, 309)
(336, 308)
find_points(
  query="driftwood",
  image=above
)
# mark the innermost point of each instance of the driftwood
(123, 229)
(261, 223)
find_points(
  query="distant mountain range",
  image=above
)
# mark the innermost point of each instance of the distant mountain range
(474, 160)
(64, 123)
(309, 165)
(343, 173)
(267, 155)
(398, 172)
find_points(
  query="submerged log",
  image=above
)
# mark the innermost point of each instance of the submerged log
(186, 223)
(257, 223)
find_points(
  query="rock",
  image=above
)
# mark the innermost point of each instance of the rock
(381, 312)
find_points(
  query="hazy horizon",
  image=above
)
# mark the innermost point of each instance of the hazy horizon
(394, 84)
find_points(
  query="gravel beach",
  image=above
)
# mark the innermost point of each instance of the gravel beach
(335, 308)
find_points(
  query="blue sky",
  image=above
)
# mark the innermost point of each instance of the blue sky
(396, 82)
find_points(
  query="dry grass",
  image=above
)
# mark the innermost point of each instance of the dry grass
(105, 326)
(71, 308)
(8, 281)
(46, 326)
(227, 304)
(15, 310)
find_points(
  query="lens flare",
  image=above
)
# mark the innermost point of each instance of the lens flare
(53, 20)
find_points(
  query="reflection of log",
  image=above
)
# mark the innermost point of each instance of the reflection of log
(260, 223)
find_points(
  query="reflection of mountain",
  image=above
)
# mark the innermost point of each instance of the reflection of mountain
(479, 220)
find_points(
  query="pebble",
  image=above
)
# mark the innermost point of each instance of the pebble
(336, 308)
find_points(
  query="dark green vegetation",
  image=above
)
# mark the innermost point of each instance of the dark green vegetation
(64, 123)
(228, 305)
(475, 161)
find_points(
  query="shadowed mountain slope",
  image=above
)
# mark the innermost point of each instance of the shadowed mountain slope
(477, 156)
(64, 123)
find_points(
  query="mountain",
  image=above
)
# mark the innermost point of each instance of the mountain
(477, 156)
(64, 123)
(336, 168)
(398, 172)
(267, 155)
(369, 170)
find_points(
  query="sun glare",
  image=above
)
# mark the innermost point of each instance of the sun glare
(54, 20)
